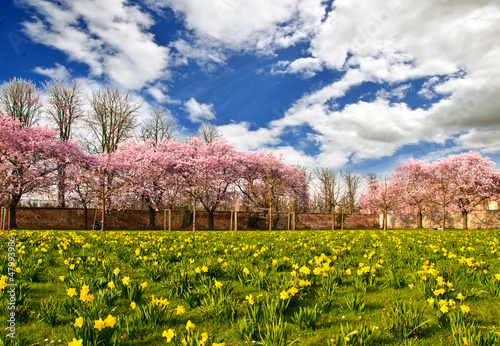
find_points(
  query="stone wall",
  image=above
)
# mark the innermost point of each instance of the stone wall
(139, 219)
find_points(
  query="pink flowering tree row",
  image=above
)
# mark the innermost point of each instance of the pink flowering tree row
(160, 175)
(458, 183)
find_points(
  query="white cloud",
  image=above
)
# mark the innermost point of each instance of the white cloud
(454, 45)
(110, 37)
(399, 92)
(199, 112)
(240, 135)
(305, 67)
(260, 26)
(292, 156)
(59, 72)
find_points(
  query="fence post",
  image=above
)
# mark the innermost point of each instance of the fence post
(231, 221)
(170, 220)
(2, 218)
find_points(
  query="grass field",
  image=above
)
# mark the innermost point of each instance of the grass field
(351, 287)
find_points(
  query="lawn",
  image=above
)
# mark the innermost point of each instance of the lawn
(351, 287)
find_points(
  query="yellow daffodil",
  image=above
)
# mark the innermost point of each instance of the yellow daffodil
(133, 305)
(169, 335)
(76, 342)
(204, 337)
(284, 295)
(293, 291)
(218, 284)
(126, 280)
(249, 300)
(110, 321)
(144, 285)
(116, 271)
(465, 309)
(99, 324)
(180, 310)
(79, 322)
(71, 292)
(189, 325)
(111, 284)
(305, 270)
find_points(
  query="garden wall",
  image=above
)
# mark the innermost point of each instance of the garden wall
(139, 219)
(479, 219)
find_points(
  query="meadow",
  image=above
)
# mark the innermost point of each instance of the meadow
(350, 287)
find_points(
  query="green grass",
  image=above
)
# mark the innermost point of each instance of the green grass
(405, 251)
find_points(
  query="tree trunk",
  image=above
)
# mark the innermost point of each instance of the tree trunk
(103, 219)
(210, 219)
(464, 219)
(270, 219)
(419, 219)
(85, 215)
(235, 220)
(194, 214)
(14, 200)
(152, 218)
(333, 219)
(342, 221)
(443, 224)
(385, 219)
(61, 187)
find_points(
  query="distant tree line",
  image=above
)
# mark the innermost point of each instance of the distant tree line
(117, 163)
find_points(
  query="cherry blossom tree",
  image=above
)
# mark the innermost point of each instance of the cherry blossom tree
(475, 182)
(194, 167)
(380, 195)
(440, 188)
(266, 178)
(29, 158)
(225, 166)
(152, 174)
(408, 178)
(105, 175)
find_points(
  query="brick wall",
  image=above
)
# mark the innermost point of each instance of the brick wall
(139, 219)
(479, 219)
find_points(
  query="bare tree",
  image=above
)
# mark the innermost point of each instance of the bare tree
(21, 100)
(329, 189)
(112, 118)
(65, 107)
(209, 133)
(371, 177)
(159, 126)
(352, 182)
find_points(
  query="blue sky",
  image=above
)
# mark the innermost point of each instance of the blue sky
(347, 84)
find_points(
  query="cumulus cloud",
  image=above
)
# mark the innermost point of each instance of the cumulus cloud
(58, 72)
(240, 135)
(452, 45)
(305, 67)
(199, 112)
(110, 37)
(260, 26)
